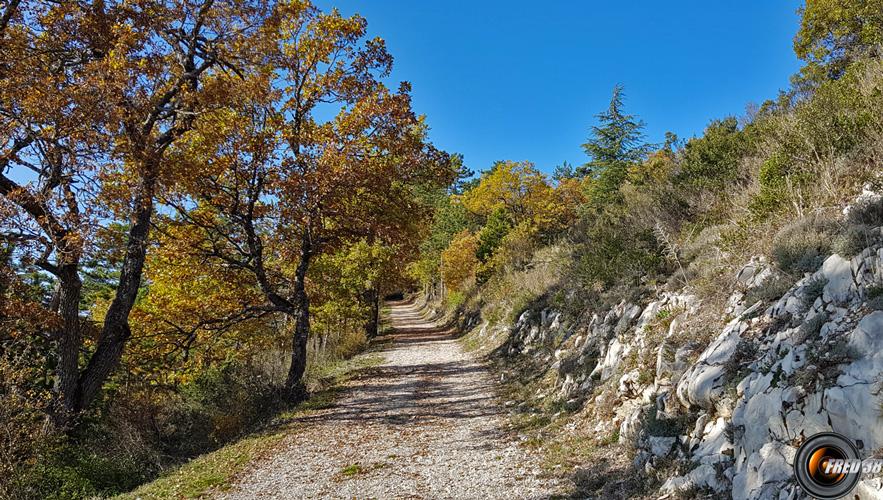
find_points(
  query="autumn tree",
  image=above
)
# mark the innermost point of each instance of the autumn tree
(517, 188)
(459, 261)
(282, 186)
(94, 95)
(525, 196)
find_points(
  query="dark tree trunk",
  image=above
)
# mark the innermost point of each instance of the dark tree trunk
(294, 381)
(372, 299)
(69, 290)
(116, 331)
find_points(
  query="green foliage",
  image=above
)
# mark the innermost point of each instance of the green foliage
(491, 235)
(69, 471)
(660, 425)
(864, 221)
(813, 290)
(449, 218)
(773, 288)
(216, 407)
(712, 160)
(812, 144)
(616, 143)
(867, 212)
(455, 299)
(614, 250)
(834, 33)
(774, 181)
(810, 329)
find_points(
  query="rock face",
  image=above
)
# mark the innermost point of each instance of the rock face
(810, 362)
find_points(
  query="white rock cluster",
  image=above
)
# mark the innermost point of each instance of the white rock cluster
(810, 362)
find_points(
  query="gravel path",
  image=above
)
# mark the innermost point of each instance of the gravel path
(426, 426)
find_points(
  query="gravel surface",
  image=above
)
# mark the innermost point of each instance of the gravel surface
(426, 426)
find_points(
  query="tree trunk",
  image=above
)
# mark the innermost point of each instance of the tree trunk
(71, 340)
(294, 381)
(372, 299)
(116, 331)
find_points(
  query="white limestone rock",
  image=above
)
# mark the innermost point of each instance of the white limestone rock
(763, 470)
(703, 382)
(661, 446)
(838, 272)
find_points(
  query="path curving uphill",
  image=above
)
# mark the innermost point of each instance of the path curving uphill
(426, 425)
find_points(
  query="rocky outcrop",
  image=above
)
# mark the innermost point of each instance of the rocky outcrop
(811, 361)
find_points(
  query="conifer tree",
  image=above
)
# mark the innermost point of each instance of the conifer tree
(616, 143)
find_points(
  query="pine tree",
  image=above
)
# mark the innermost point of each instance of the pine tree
(616, 143)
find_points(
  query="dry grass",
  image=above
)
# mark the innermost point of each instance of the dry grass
(216, 471)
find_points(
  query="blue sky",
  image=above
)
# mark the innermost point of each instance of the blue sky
(523, 80)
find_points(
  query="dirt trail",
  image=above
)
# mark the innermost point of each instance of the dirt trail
(427, 425)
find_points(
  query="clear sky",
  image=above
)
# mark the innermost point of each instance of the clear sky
(523, 80)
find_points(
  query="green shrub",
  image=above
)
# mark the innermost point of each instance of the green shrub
(657, 425)
(614, 251)
(216, 407)
(69, 470)
(803, 245)
(491, 235)
(773, 187)
(875, 297)
(455, 299)
(713, 159)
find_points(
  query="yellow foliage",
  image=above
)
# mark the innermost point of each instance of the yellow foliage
(527, 196)
(459, 261)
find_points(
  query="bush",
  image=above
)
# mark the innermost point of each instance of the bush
(813, 290)
(455, 299)
(875, 297)
(70, 470)
(220, 404)
(810, 328)
(491, 235)
(867, 212)
(516, 249)
(659, 425)
(713, 159)
(802, 246)
(855, 239)
(773, 194)
(771, 289)
(616, 252)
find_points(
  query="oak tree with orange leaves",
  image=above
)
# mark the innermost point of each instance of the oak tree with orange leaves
(93, 96)
(281, 185)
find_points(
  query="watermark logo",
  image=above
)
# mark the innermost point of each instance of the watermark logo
(827, 465)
